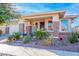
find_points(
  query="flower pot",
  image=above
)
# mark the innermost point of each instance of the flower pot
(13, 39)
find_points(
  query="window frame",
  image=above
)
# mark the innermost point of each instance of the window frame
(48, 25)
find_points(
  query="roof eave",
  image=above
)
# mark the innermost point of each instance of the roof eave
(70, 17)
(61, 14)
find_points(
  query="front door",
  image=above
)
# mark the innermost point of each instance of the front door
(42, 25)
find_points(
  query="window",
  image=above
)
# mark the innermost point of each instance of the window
(50, 27)
(64, 25)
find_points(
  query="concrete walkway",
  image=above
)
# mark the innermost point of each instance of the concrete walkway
(24, 51)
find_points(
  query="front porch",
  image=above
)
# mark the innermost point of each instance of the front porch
(45, 24)
(49, 22)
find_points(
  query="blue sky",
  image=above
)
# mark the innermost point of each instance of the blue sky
(30, 8)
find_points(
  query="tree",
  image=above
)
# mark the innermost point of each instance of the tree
(7, 12)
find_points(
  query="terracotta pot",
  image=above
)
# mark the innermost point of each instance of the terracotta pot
(13, 39)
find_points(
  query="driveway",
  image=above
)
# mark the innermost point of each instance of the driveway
(24, 51)
(28, 51)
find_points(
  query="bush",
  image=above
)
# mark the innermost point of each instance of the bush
(10, 37)
(78, 34)
(40, 34)
(16, 35)
(26, 39)
(0, 32)
(47, 41)
(73, 37)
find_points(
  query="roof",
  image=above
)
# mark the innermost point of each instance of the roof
(47, 14)
(70, 17)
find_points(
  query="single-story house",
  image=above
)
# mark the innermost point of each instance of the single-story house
(50, 22)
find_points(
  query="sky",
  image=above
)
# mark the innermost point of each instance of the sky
(31, 8)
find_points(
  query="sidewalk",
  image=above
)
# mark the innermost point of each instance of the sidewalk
(64, 53)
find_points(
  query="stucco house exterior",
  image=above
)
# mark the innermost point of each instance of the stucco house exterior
(10, 27)
(50, 22)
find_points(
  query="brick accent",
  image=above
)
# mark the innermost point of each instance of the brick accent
(56, 28)
(21, 28)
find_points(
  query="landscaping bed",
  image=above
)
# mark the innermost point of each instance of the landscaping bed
(69, 47)
(43, 40)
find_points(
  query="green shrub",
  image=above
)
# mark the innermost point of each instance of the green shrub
(73, 37)
(78, 34)
(26, 39)
(0, 32)
(16, 35)
(10, 37)
(40, 34)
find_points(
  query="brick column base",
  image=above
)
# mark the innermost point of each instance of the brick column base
(56, 28)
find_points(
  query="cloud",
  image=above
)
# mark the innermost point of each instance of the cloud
(73, 9)
(29, 9)
(35, 8)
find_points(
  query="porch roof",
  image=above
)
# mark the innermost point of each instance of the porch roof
(70, 17)
(43, 15)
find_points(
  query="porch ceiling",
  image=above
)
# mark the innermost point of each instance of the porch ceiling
(38, 18)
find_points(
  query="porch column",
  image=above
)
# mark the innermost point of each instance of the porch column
(56, 25)
(21, 28)
(46, 25)
(29, 28)
(69, 25)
